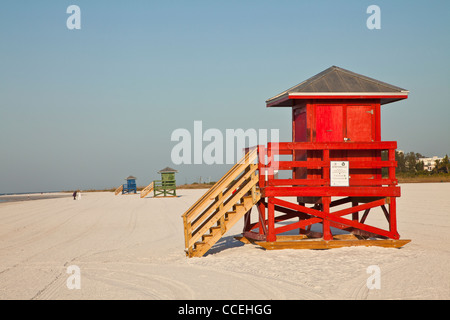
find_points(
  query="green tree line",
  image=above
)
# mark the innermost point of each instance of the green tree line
(410, 163)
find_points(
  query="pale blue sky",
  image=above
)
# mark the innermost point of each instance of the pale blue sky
(86, 108)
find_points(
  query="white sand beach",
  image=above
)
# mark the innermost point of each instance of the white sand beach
(132, 248)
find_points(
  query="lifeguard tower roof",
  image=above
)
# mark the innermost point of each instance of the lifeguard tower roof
(131, 178)
(338, 83)
(167, 169)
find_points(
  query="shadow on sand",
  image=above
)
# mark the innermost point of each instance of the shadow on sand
(224, 243)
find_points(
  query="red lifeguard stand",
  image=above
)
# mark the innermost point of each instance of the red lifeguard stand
(335, 122)
(335, 160)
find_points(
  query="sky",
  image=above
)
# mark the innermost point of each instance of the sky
(85, 108)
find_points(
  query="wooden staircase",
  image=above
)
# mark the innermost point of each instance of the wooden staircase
(222, 206)
(147, 190)
(118, 190)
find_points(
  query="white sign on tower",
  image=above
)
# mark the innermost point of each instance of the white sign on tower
(339, 174)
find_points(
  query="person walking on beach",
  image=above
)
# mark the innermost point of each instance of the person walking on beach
(75, 195)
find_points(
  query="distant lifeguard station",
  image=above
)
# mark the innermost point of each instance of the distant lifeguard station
(129, 187)
(336, 174)
(165, 187)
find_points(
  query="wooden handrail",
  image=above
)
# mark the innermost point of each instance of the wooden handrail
(118, 190)
(235, 171)
(147, 190)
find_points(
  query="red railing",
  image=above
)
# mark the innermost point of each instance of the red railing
(316, 168)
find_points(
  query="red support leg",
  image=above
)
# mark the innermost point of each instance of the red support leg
(247, 221)
(355, 215)
(271, 236)
(300, 230)
(326, 223)
(262, 217)
(393, 217)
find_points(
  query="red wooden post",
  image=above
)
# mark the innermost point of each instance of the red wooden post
(300, 230)
(326, 171)
(393, 218)
(355, 215)
(326, 223)
(391, 153)
(262, 218)
(261, 166)
(271, 236)
(247, 221)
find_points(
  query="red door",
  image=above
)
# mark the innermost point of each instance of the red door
(329, 128)
(329, 123)
(360, 123)
(360, 128)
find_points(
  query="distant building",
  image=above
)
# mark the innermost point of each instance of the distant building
(429, 163)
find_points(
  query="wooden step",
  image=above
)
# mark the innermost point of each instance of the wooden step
(214, 229)
(330, 244)
(199, 244)
(206, 237)
(248, 201)
(230, 214)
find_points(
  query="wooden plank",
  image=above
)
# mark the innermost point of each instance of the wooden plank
(376, 145)
(321, 182)
(331, 244)
(331, 191)
(294, 182)
(372, 182)
(317, 164)
(187, 233)
(348, 236)
(244, 240)
(248, 238)
(165, 196)
(251, 236)
(293, 237)
(311, 164)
